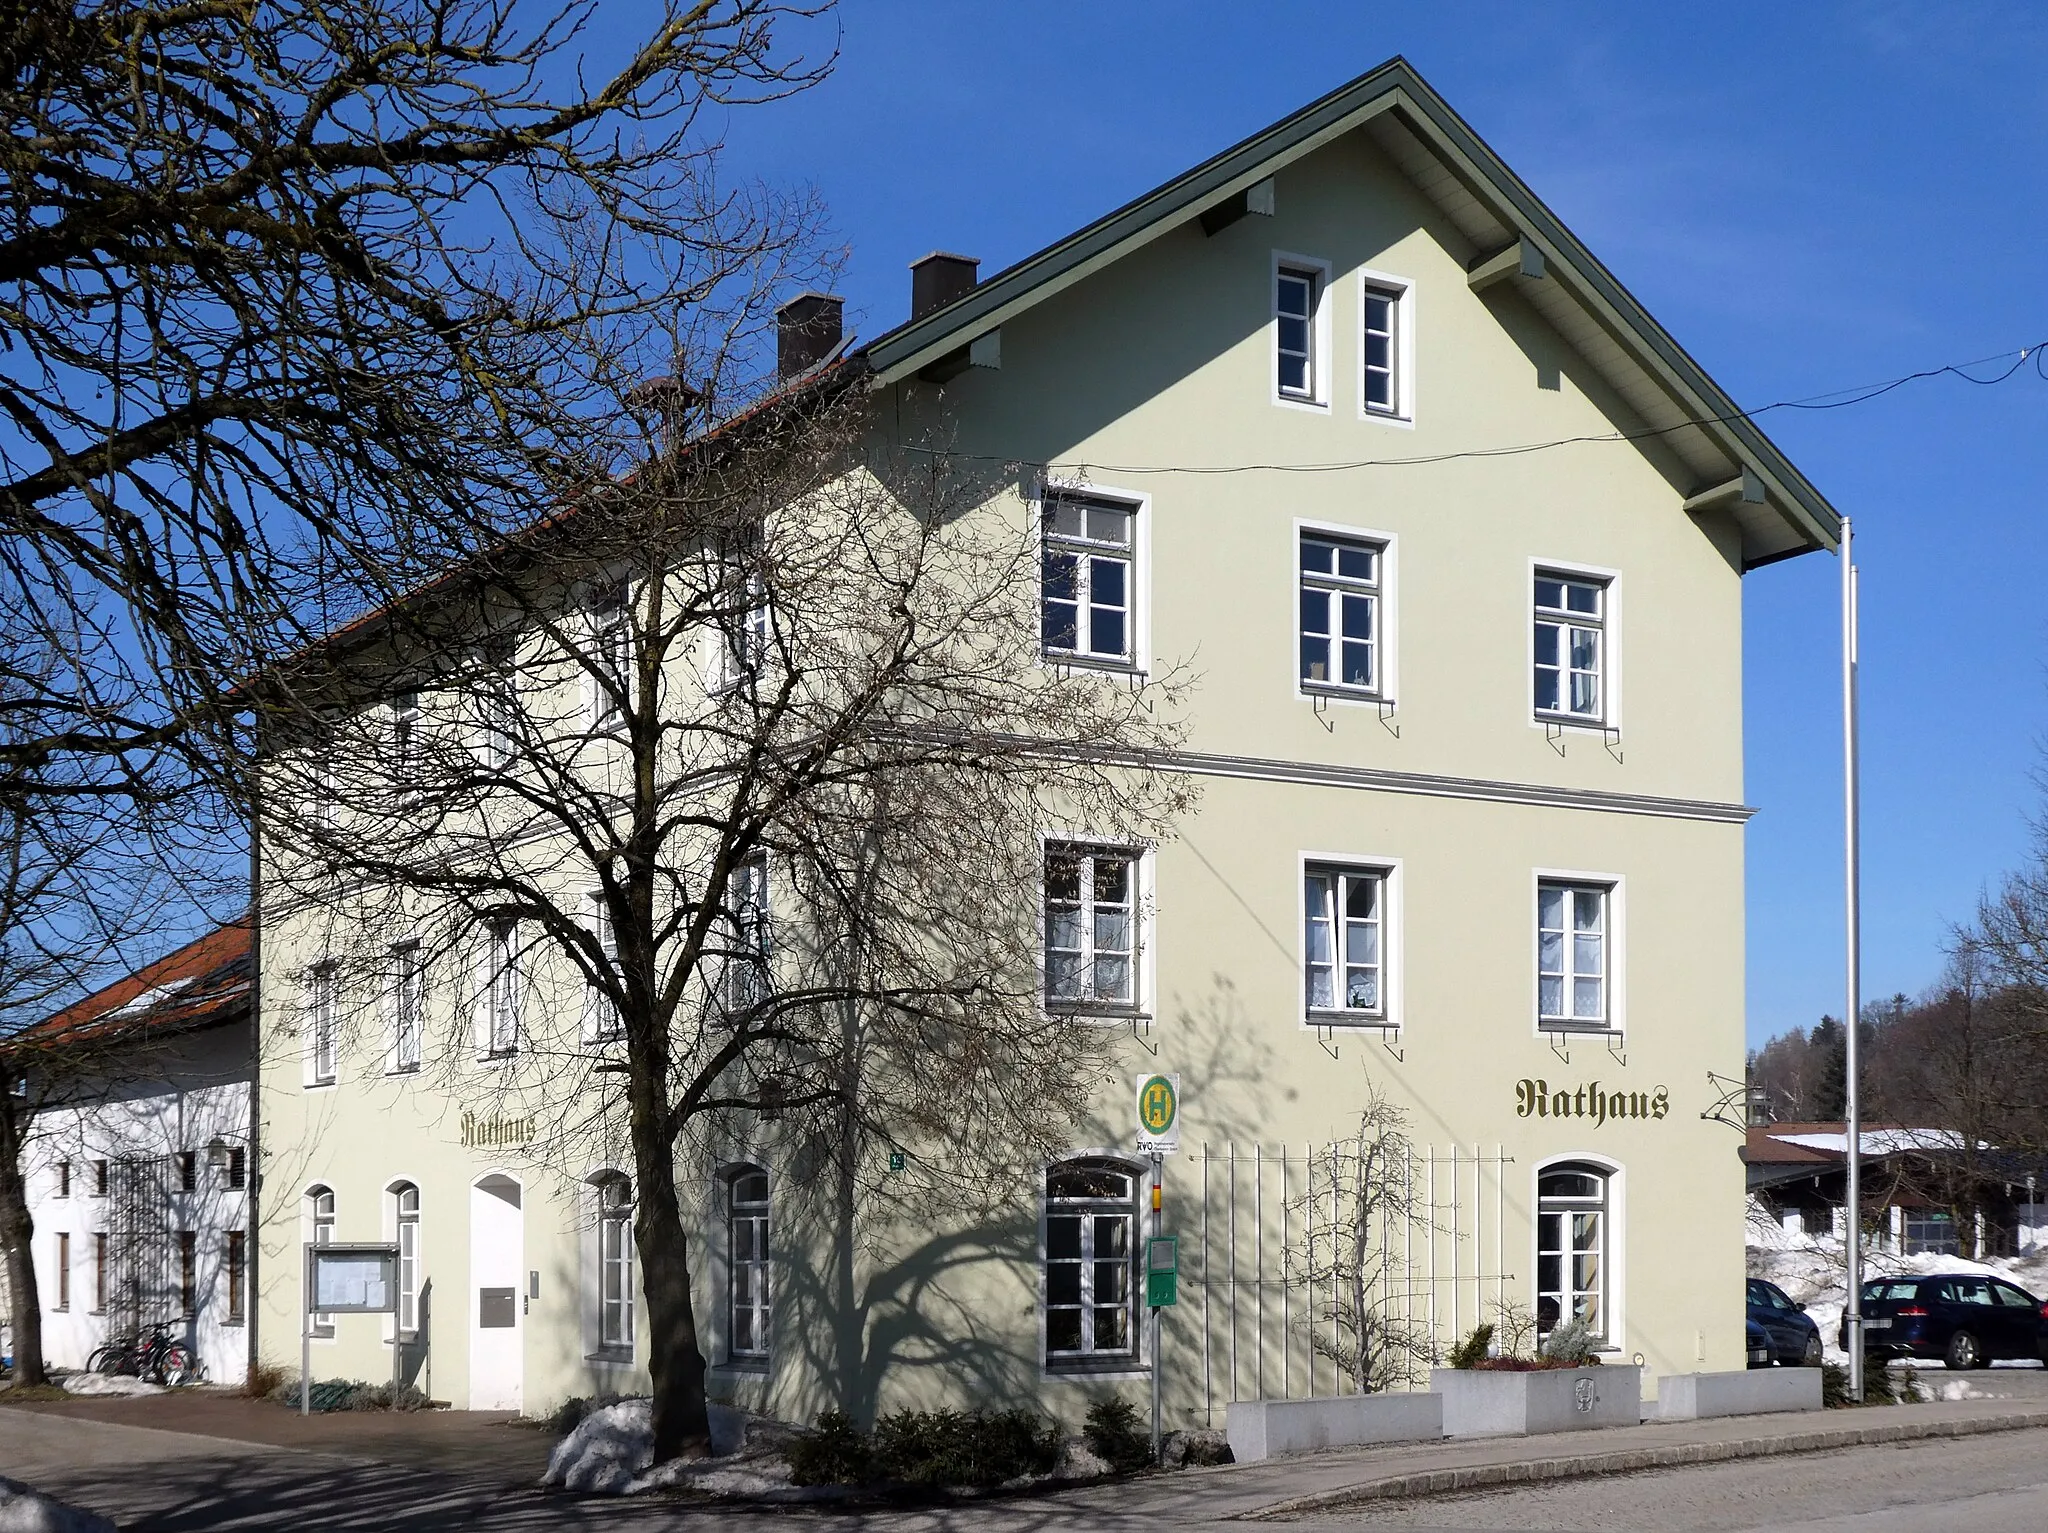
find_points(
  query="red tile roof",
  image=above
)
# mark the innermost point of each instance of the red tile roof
(203, 983)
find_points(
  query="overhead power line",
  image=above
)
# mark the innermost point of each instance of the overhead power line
(1835, 399)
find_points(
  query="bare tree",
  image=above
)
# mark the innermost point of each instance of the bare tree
(292, 290)
(83, 888)
(721, 797)
(1353, 1227)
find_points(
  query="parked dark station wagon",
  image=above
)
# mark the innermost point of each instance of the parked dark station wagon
(1965, 1319)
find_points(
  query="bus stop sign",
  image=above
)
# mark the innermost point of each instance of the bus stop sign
(1158, 1114)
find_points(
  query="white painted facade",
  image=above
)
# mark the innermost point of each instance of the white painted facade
(133, 1142)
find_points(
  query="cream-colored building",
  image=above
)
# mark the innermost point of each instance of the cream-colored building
(1453, 534)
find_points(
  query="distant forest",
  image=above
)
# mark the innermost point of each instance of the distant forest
(1968, 1055)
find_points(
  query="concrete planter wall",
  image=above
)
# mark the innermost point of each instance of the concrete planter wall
(1752, 1392)
(1276, 1428)
(1488, 1403)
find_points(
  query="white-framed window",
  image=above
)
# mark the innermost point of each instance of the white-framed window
(745, 979)
(405, 739)
(749, 1285)
(1572, 649)
(498, 700)
(1088, 579)
(323, 1024)
(1090, 1256)
(611, 658)
(63, 1178)
(1386, 347)
(1574, 1278)
(101, 1178)
(612, 1199)
(601, 1019)
(499, 988)
(1575, 957)
(405, 1209)
(1301, 339)
(320, 1230)
(1347, 937)
(63, 1270)
(1342, 609)
(408, 1005)
(1092, 911)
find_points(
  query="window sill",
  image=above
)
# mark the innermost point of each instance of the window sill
(1301, 402)
(326, 1085)
(1089, 1368)
(1578, 1029)
(1578, 721)
(1352, 1019)
(1337, 692)
(1089, 1011)
(613, 1357)
(403, 1070)
(233, 1322)
(1100, 664)
(752, 1365)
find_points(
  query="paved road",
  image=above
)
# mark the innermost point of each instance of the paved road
(153, 1481)
(1992, 1484)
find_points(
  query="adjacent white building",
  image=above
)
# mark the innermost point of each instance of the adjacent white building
(138, 1169)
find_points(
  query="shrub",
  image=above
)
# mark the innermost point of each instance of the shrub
(1570, 1343)
(835, 1452)
(1115, 1435)
(963, 1448)
(264, 1380)
(570, 1414)
(1475, 1348)
(1880, 1385)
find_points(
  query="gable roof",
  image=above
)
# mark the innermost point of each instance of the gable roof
(1779, 511)
(205, 983)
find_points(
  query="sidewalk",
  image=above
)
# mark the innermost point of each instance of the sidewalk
(1299, 1487)
(253, 1469)
(481, 1443)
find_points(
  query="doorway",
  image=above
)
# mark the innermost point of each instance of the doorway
(497, 1257)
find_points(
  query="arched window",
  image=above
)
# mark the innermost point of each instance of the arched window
(1572, 1229)
(405, 1200)
(320, 1219)
(614, 1195)
(746, 1250)
(1089, 1209)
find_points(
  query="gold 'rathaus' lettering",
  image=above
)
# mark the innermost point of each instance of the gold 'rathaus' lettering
(1536, 1099)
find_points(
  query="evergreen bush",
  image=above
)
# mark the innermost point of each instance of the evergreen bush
(1115, 1434)
(834, 1452)
(1475, 1348)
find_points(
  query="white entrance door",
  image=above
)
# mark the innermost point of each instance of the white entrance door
(497, 1257)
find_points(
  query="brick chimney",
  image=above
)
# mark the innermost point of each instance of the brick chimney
(937, 279)
(807, 328)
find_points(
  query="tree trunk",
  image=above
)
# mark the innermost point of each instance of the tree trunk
(17, 1237)
(682, 1421)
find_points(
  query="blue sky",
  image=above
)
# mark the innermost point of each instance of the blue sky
(1809, 197)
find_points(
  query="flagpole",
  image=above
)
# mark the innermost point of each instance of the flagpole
(1852, 1313)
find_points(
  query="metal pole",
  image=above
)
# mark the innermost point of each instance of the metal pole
(306, 1335)
(1158, 1177)
(1853, 1003)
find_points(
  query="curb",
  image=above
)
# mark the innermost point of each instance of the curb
(1434, 1482)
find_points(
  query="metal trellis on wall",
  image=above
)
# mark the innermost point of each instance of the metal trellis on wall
(1265, 1214)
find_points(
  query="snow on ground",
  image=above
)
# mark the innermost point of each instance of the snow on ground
(610, 1450)
(1812, 1272)
(23, 1510)
(106, 1384)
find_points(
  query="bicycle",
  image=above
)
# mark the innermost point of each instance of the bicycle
(160, 1358)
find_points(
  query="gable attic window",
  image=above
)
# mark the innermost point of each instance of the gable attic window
(1386, 355)
(1298, 288)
